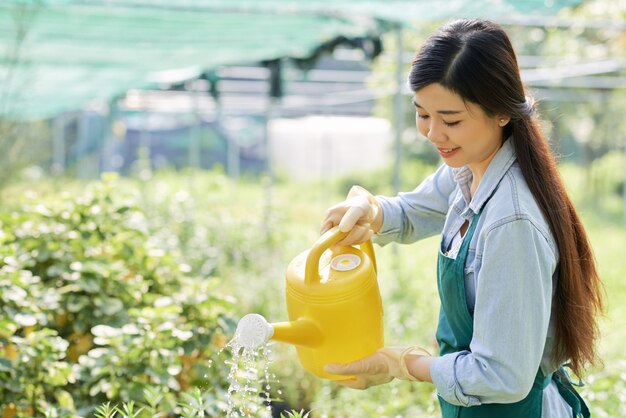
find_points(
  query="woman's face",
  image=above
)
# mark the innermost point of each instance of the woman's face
(461, 131)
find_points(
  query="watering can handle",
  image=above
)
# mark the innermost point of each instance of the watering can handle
(328, 239)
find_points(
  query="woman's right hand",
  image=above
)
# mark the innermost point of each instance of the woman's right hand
(360, 215)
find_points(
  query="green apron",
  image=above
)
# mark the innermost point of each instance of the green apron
(454, 333)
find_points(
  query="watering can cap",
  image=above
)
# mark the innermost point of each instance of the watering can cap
(320, 271)
(345, 262)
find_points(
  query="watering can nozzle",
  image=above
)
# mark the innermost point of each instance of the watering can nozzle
(253, 331)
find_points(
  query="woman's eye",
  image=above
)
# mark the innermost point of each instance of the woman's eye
(451, 123)
(422, 116)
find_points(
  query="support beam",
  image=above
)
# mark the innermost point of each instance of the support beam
(398, 108)
(58, 145)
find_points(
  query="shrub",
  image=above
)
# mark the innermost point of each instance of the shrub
(92, 309)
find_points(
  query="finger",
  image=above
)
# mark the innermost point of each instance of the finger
(340, 369)
(333, 217)
(357, 190)
(358, 383)
(349, 369)
(358, 235)
(326, 226)
(351, 218)
(356, 367)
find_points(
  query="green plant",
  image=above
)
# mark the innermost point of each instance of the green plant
(152, 397)
(128, 410)
(93, 309)
(105, 411)
(296, 414)
(126, 360)
(196, 404)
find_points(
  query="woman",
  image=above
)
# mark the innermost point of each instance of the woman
(516, 276)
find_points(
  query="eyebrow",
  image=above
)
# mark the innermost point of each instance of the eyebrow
(441, 112)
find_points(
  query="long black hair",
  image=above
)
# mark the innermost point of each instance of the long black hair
(475, 59)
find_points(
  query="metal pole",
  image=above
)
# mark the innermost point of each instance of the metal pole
(232, 144)
(272, 111)
(143, 152)
(58, 145)
(398, 108)
(194, 136)
(275, 84)
(107, 153)
(81, 149)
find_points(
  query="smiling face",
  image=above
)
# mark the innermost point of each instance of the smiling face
(462, 132)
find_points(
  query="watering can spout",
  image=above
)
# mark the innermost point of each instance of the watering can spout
(301, 332)
(253, 331)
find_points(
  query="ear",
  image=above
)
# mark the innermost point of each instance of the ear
(502, 120)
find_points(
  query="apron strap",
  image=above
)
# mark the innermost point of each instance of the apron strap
(567, 391)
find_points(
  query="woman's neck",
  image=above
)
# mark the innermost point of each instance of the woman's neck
(479, 169)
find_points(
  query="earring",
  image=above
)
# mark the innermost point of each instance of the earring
(502, 122)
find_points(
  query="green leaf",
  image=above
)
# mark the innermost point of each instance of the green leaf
(65, 399)
(90, 284)
(5, 365)
(106, 331)
(105, 411)
(59, 344)
(96, 268)
(109, 306)
(14, 294)
(7, 328)
(58, 374)
(76, 303)
(25, 320)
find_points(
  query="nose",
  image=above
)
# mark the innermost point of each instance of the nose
(430, 128)
(433, 134)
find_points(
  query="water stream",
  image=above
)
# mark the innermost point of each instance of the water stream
(249, 379)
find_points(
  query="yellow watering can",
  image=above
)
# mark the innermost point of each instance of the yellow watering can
(334, 307)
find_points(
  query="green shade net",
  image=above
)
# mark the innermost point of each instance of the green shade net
(59, 55)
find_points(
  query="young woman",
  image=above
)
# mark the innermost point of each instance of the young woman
(516, 276)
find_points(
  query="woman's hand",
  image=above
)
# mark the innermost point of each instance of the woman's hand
(382, 367)
(360, 214)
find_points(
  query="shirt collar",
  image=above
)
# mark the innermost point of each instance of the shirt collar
(498, 166)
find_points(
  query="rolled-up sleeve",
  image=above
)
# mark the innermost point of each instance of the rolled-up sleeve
(511, 317)
(418, 214)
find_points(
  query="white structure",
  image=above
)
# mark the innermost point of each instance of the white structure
(327, 146)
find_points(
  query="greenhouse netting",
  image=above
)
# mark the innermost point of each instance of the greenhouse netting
(58, 55)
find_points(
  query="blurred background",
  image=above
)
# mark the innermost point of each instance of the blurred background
(163, 161)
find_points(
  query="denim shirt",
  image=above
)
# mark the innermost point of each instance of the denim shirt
(509, 278)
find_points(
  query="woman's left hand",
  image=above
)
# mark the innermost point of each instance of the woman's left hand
(381, 367)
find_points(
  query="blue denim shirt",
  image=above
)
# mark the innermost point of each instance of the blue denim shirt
(509, 278)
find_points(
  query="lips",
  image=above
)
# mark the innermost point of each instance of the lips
(447, 152)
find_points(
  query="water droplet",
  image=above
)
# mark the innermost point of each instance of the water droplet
(245, 384)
